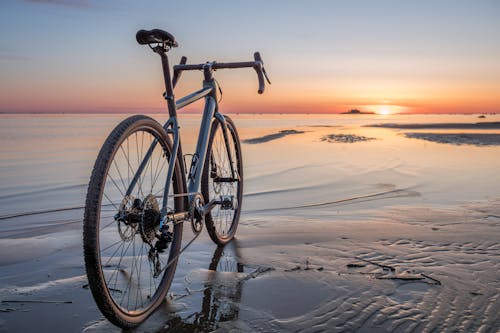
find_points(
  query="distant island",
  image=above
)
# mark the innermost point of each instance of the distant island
(356, 111)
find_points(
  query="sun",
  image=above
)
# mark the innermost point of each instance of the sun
(384, 111)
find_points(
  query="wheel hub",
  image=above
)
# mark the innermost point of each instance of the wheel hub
(135, 215)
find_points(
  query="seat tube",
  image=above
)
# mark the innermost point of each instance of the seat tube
(169, 90)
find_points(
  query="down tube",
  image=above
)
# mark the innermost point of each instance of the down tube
(201, 147)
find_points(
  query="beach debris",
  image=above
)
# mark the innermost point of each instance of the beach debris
(406, 277)
(36, 301)
(436, 281)
(86, 286)
(390, 273)
(296, 268)
(115, 290)
(258, 271)
(384, 267)
(176, 297)
(345, 138)
(355, 265)
(409, 277)
(273, 136)
(307, 267)
(7, 309)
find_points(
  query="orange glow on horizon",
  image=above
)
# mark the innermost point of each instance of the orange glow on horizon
(323, 96)
(384, 111)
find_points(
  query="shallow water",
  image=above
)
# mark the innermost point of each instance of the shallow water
(45, 160)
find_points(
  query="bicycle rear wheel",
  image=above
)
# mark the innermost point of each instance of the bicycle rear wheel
(218, 183)
(128, 270)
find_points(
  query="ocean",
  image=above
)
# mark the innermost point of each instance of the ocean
(329, 201)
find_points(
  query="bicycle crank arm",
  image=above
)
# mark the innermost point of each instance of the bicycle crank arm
(209, 206)
(226, 202)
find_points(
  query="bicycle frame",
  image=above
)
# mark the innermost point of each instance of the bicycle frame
(192, 184)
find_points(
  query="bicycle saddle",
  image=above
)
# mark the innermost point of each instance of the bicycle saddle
(155, 36)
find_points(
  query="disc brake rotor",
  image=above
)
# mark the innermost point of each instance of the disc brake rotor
(196, 213)
(126, 230)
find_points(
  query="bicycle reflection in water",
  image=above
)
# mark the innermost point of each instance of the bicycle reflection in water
(221, 294)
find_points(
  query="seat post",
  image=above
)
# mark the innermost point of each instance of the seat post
(169, 90)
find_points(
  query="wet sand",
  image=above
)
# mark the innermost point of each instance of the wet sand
(273, 136)
(476, 139)
(480, 125)
(386, 235)
(410, 268)
(451, 136)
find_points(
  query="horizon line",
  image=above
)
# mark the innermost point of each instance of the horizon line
(243, 112)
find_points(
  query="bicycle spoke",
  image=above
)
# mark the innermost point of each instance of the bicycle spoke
(107, 225)
(159, 171)
(110, 246)
(111, 202)
(139, 292)
(120, 174)
(114, 183)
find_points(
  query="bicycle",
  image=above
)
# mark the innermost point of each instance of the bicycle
(140, 193)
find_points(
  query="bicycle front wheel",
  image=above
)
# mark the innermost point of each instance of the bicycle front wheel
(128, 268)
(222, 180)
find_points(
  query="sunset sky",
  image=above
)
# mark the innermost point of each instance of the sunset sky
(322, 56)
